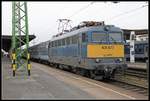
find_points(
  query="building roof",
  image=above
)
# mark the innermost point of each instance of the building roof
(6, 41)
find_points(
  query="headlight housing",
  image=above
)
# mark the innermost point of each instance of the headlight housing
(120, 59)
(97, 60)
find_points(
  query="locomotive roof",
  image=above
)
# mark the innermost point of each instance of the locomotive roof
(85, 29)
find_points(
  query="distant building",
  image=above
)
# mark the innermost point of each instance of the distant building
(141, 34)
(143, 37)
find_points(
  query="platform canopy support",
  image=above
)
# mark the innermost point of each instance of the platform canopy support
(19, 29)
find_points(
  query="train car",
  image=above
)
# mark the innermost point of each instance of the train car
(39, 52)
(141, 51)
(94, 50)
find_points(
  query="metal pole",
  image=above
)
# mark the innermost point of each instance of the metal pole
(20, 30)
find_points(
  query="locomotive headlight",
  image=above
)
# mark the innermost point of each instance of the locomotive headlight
(97, 60)
(107, 28)
(120, 59)
(106, 69)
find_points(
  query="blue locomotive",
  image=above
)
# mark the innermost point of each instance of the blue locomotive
(92, 49)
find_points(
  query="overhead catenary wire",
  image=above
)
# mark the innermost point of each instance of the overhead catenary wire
(116, 16)
(81, 9)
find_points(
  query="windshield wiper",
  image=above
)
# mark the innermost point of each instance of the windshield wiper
(113, 39)
(102, 40)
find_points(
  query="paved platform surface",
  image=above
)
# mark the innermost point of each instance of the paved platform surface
(50, 83)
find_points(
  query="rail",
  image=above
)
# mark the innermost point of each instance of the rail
(137, 77)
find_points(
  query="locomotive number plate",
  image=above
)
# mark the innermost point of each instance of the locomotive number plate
(102, 50)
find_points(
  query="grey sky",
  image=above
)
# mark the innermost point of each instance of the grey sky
(43, 16)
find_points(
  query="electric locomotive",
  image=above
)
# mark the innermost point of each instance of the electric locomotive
(92, 49)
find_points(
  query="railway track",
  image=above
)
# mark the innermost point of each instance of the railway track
(127, 86)
(137, 73)
(135, 77)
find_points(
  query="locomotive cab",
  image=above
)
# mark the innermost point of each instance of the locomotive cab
(104, 51)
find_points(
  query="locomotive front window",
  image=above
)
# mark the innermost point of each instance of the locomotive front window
(115, 37)
(99, 37)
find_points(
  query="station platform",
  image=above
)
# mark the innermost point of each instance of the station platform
(50, 83)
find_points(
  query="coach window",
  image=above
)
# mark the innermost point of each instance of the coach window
(73, 40)
(68, 41)
(84, 37)
(55, 44)
(63, 41)
(52, 43)
(49, 45)
(76, 39)
(70, 38)
(59, 42)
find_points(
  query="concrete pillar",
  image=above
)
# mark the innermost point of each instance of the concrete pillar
(132, 50)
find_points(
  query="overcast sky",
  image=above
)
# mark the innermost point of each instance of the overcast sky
(42, 16)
